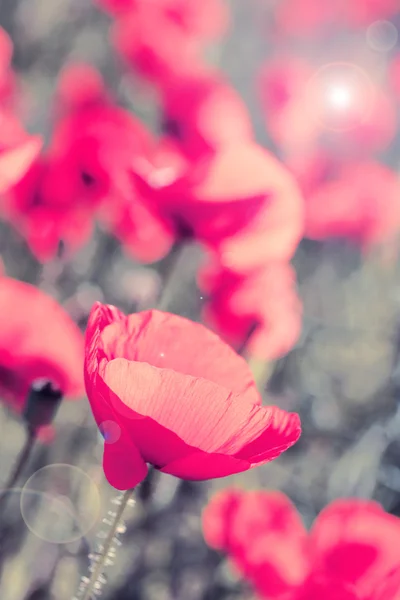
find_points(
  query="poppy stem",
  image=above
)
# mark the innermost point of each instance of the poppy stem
(19, 466)
(173, 269)
(261, 369)
(91, 586)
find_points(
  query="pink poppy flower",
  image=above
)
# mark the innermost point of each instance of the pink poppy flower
(181, 400)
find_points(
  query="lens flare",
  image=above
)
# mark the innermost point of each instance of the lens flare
(341, 95)
(60, 503)
(382, 36)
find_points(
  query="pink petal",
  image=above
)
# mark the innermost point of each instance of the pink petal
(123, 465)
(203, 415)
(182, 345)
(200, 466)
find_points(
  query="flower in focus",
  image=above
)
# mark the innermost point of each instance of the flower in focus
(184, 401)
(261, 310)
(361, 203)
(38, 340)
(349, 554)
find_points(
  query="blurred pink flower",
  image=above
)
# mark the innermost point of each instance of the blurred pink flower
(350, 552)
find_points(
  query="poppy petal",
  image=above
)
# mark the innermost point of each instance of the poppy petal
(200, 466)
(250, 432)
(123, 464)
(178, 343)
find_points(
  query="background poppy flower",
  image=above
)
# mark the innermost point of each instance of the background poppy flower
(183, 27)
(283, 87)
(207, 20)
(40, 220)
(276, 558)
(247, 175)
(261, 310)
(202, 114)
(155, 46)
(29, 351)
(302, 17)
(244, 206)
(18, 150)
(79, 85)
(185, 401)
(139, 227)
(349, 553)
(17, 158)
(361, 203)
(85, 172)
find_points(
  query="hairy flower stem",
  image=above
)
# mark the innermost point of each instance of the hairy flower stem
(19, 466)
(91, 586)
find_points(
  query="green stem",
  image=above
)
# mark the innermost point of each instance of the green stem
(91, 584)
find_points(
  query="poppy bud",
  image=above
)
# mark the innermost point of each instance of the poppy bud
(42, 403)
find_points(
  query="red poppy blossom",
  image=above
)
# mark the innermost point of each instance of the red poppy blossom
(30, 351)
(349, 554)
(79, 85)
(184, 401)
(140, 228)
(302, 17)
(18, 151)
(156, 47)
(361, 203)
(203, 114)
(92, 147)
(260, 310)
(85, 172)
(40, 220)
(314, 168)
(243, 205)
(365, 12)
(283, 86)
(257, 205)
(205, 20)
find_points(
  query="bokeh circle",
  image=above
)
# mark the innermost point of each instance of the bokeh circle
(342, 96)
(110, 432)
(60, 503)
(382, 36)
